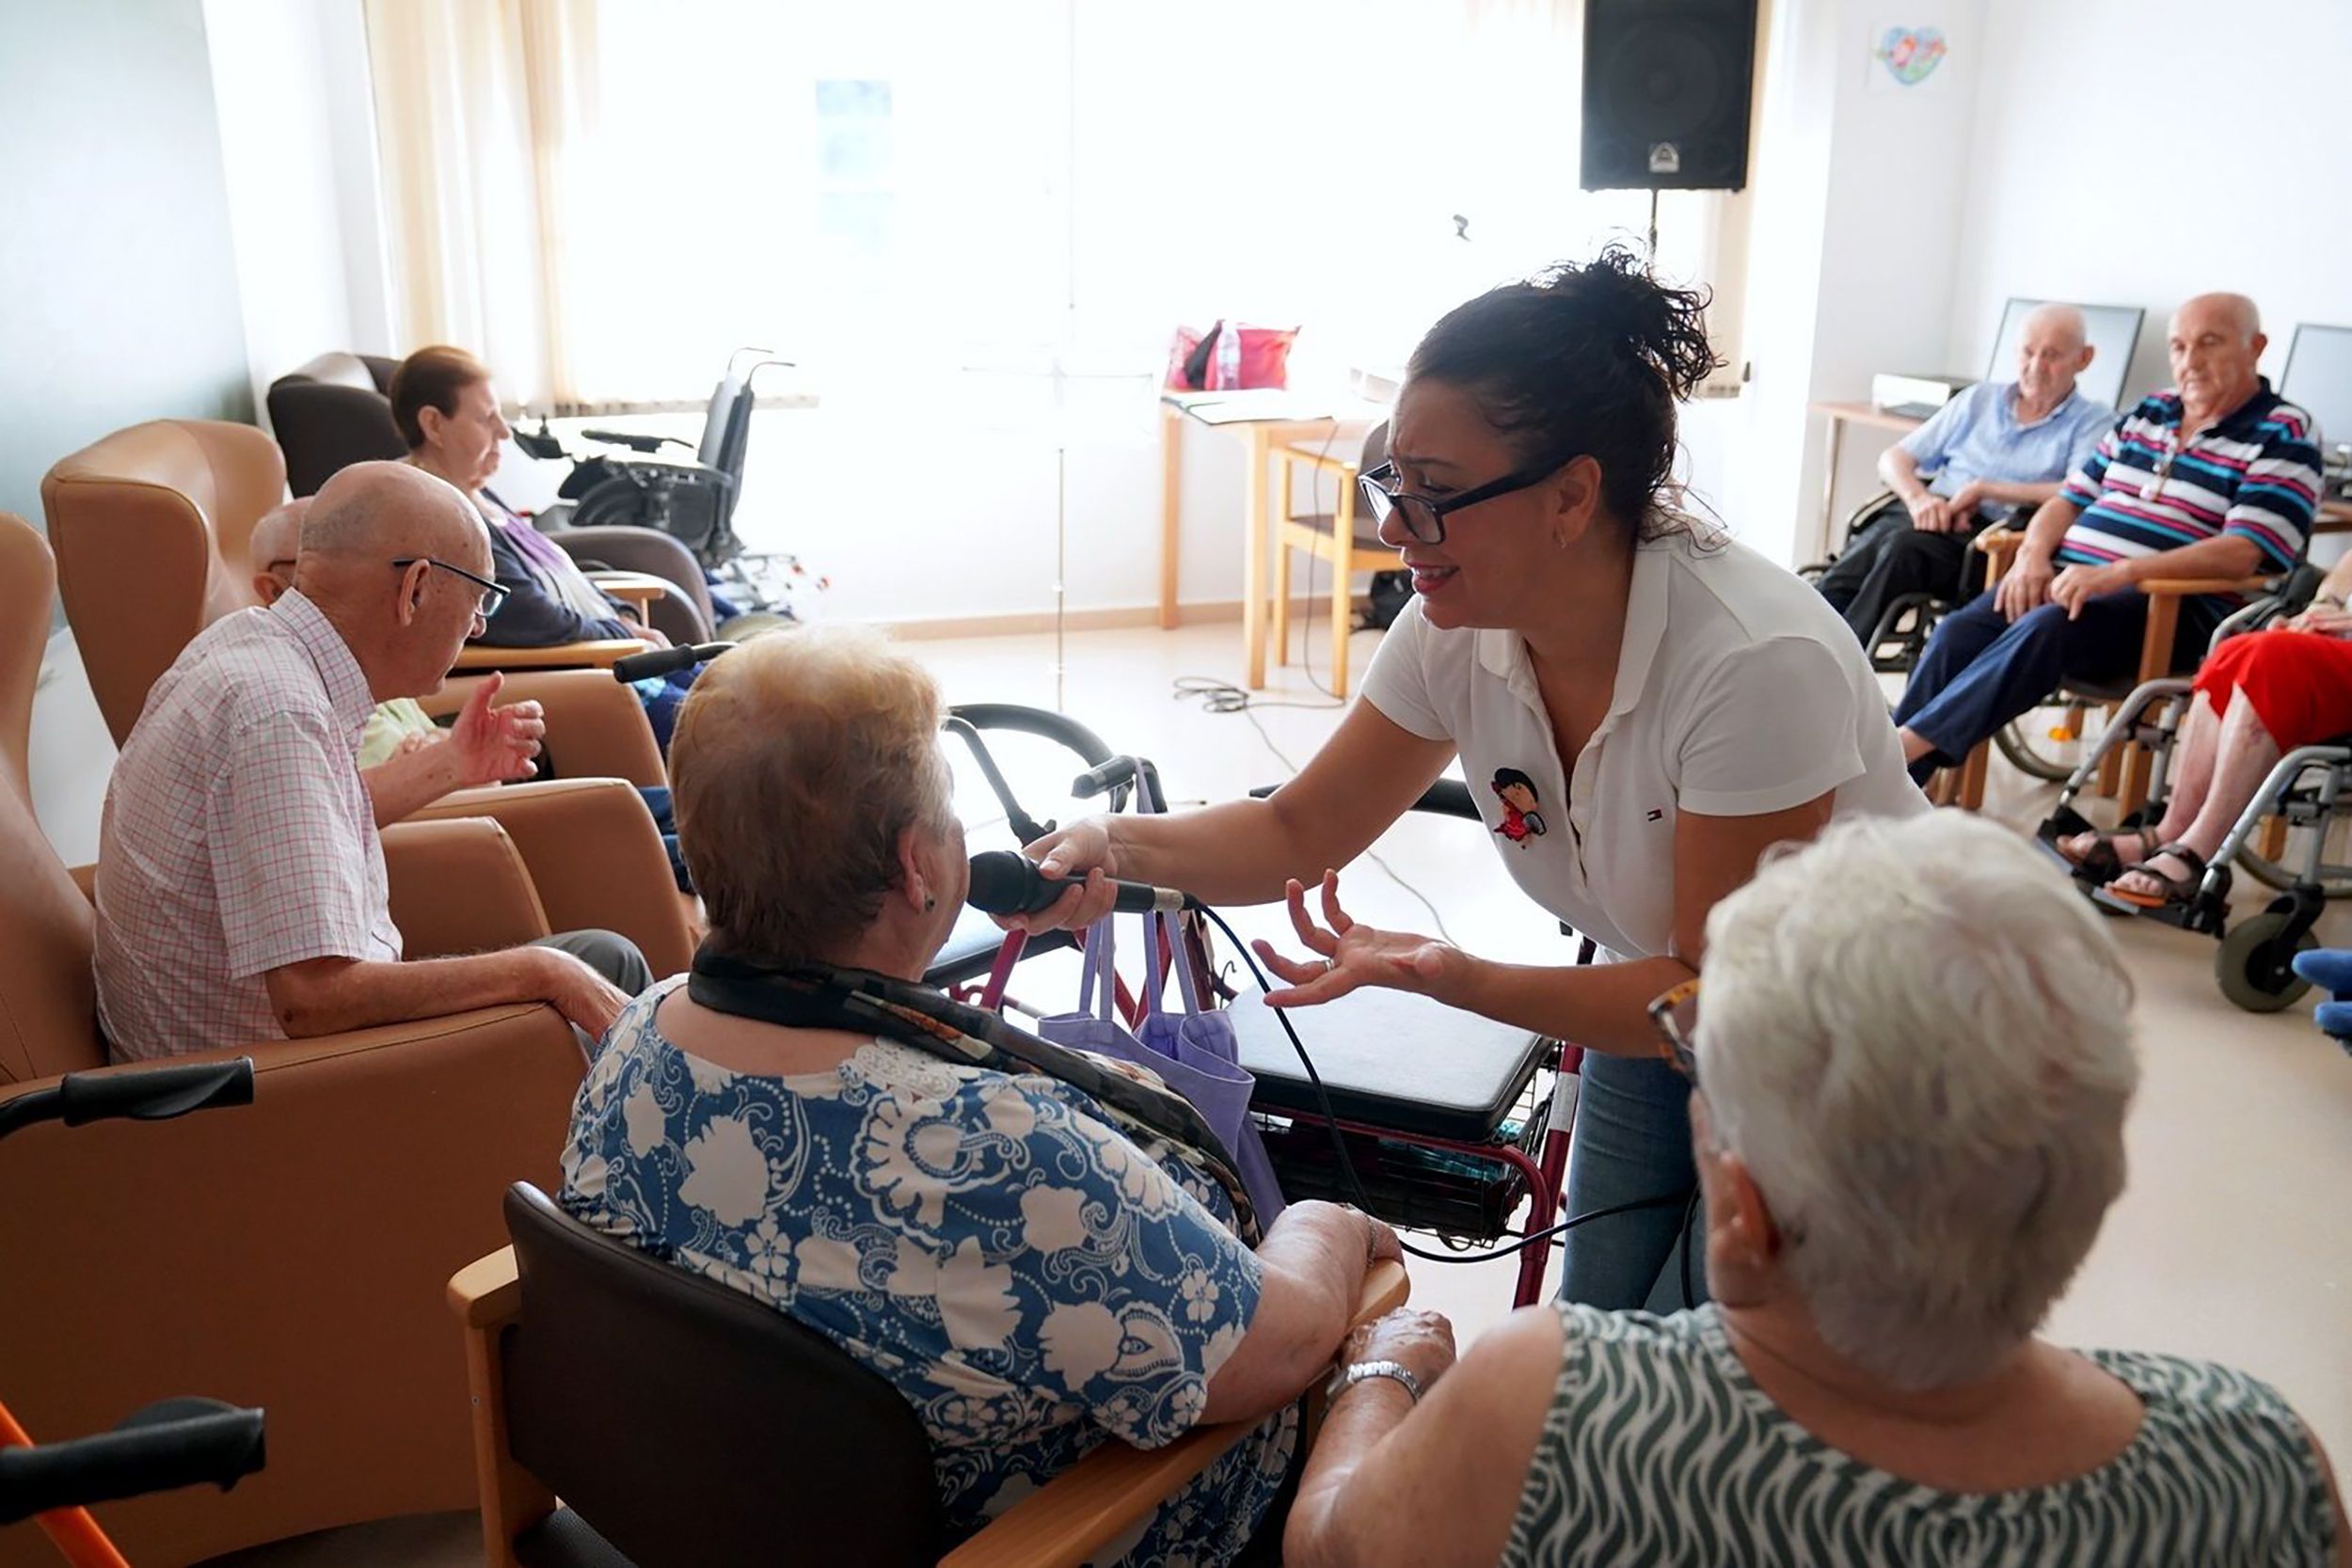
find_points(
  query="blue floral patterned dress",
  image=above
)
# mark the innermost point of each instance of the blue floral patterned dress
(1030, 1279)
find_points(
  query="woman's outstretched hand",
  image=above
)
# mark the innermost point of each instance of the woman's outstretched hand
(1350, 955)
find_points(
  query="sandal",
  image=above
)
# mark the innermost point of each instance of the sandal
(2103, 864)
(2177, 891)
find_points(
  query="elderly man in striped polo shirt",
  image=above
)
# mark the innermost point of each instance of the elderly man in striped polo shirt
(2215, 479)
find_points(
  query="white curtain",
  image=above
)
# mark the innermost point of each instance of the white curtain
(604, 198)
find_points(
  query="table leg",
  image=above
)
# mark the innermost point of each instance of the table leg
(1171, 511)
(1822, 545)
(1253, 564)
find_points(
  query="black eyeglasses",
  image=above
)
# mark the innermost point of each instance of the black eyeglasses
(1424, 518)
(492, 595)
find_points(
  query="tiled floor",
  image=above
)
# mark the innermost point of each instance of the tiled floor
(2231, 1243)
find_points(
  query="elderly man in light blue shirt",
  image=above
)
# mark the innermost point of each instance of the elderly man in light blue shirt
(1999, 445)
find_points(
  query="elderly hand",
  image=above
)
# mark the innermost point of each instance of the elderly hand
(495, 745)
(1352, 955)
(1931, 513)
(2025, 587)
(409, 745)
(2324, 620)
(1966, 500)
(588, 1001)
(1422, 1341)
(2076, 585)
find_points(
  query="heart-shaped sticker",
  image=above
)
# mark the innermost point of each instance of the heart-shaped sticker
(1910, 54)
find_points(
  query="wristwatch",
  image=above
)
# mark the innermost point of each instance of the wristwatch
(1356, 1371)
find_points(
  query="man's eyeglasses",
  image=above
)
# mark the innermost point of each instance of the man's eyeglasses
(1676, 1015)
(1422, 517)
(492, 595)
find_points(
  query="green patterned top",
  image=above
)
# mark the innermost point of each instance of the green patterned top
(1660, 1449)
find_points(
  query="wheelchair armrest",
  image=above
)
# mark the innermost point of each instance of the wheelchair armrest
(635, 442)
(659, 471)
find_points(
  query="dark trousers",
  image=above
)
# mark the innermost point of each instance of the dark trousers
(1888, 559)
(1980, 670)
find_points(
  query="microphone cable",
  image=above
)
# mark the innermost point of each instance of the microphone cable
(1685, 1198)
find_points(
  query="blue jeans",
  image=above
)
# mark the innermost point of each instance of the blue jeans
(1632, 1141)
(1983, 670)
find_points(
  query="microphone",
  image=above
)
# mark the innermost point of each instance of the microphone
(661, 661)
(1003, 883)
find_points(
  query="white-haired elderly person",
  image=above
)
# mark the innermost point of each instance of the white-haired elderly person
(1912, 1061)
(1039, 1252)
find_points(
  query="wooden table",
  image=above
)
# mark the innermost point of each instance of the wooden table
(1262, 420)
(2335, 516)
(1840, 414)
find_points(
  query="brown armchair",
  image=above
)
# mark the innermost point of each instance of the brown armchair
(182, 497)
(288, 1255)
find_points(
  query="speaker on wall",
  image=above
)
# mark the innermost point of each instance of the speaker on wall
(1666, 85)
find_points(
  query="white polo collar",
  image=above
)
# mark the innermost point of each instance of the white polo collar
(1503, 653)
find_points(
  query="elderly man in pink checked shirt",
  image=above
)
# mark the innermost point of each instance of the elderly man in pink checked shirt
(241, 889)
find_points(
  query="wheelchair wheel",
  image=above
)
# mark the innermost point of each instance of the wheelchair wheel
(2034, 747)
(2256, 968)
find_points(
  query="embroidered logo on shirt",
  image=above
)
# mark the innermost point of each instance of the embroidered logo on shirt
(1657, 815)
(1520, 820)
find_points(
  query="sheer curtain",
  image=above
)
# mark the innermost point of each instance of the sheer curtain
(913, 196)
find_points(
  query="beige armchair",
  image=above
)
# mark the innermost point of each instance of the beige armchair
(289, 1254)
(182, 497)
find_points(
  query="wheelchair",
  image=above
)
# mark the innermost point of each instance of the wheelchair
(2279, 840)
(1909, 620)
(691, 498)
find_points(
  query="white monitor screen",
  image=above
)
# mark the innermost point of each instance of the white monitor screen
(2318, 379)
(2114, 332)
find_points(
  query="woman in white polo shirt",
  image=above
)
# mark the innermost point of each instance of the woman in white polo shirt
(1641, 706)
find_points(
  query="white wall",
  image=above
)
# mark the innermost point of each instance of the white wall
(1851, 262)
(290, 81)
(2070, 195)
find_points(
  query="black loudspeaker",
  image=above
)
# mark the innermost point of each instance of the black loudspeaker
(1666, 85)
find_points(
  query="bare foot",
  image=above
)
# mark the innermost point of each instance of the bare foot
(2129, 847)
(2143, 881)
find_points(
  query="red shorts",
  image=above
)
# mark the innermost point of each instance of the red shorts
(2299, 682)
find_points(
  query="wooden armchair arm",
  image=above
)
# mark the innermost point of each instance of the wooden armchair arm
(1056, 1526)
(1999, 546)
(636, 588)
(599, 655)
(2184, 588)
(1060, 1524)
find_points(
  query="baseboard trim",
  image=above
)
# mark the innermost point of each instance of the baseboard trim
(1114, 618)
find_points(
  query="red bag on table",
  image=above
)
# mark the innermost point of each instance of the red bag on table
(1230, 357)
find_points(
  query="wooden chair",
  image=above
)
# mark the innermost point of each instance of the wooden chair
(684, 1423)
(1332, 537)
(2125, 773)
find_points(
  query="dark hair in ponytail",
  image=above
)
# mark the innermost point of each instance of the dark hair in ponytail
(1581, 362)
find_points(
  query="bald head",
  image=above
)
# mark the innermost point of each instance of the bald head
(2052, 349)
(2216, 342)
(2061, 321)
(383, 510)
(2230, 313)
(404, 623)
(277, 539)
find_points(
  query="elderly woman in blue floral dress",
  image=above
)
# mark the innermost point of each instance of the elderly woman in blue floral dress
(1041, 1252)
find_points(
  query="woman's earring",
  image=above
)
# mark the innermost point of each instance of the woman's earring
(929, 904)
